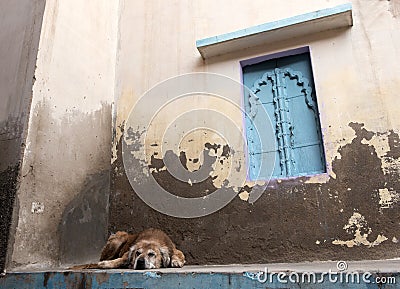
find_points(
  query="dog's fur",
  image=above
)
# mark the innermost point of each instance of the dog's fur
(149, 249)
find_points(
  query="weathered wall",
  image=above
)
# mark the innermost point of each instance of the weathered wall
(64, 186)
(90, 51)
(20, 23)
(351, 212)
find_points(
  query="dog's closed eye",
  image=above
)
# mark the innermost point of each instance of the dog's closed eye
(151, 254)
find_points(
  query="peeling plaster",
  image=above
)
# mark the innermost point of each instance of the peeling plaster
(212, 156)
(380, 142)
(195, 151)
(37, 208)
(191, 153)
(318, 179)
(117, 133)
(383, 143)
(332, 150)
(359, 227)
(274, 215)
(244, 196)
(153, 275)
(388, 198)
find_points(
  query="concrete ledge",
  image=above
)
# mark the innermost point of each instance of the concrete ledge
(297, 26)
(199, 277)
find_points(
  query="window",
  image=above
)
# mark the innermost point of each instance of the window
(283, 88)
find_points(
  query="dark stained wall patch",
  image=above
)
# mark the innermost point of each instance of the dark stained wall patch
(292, 221)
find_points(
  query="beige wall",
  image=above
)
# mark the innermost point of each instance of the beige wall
(70, 128)
(355, 69)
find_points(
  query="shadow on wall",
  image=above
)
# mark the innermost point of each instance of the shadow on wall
(83, 227)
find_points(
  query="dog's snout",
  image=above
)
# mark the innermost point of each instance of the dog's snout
(140, 264)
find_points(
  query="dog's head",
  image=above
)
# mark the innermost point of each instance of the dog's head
(148, 255)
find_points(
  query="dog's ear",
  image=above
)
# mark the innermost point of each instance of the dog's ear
(131, 250)
(113, 247)
(166, 259)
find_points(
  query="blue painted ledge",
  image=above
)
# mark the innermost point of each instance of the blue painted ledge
(296, 26)
(371, 275)
(130, 279)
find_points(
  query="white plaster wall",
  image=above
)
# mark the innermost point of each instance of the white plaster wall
(69, 133)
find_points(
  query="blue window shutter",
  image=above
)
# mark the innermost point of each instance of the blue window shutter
(285, 91)
(261, 152)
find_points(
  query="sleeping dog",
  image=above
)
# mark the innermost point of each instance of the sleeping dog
(149, 249)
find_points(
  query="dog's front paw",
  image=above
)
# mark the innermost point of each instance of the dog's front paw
(104, 264)
(175, 263)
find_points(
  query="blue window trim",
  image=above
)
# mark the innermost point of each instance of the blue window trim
(313, 22)
(269, 26)
(276, 55)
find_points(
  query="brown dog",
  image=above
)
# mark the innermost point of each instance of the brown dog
(149, 249)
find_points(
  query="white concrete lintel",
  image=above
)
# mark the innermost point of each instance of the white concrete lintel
(267, 33)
